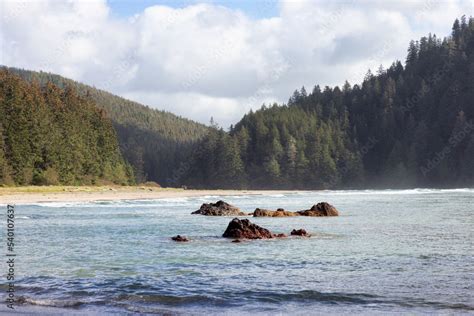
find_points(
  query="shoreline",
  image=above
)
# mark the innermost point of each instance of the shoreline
(45, 194)
(30, 195)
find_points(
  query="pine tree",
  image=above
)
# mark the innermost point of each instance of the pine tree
(54, 136)
(412, 53)
(4, 170)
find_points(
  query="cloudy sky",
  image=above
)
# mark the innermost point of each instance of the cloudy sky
(215, 58)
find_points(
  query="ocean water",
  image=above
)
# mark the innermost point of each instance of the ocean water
(408, 251)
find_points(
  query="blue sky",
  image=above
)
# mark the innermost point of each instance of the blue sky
(253, 8)
(220, 59)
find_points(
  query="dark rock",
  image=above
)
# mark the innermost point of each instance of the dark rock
(280, 235)
(236, 240)
(260, 212)
(238, 228)
(180, 238)
(268, 213)
(320, 209)
(299, 232)
(220, 208)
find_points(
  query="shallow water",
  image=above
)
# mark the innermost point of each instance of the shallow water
(408, 251)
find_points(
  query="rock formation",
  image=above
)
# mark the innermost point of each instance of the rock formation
(220, 208)
(180, 238)
(299, 232)
(320, 209)
(238, 229)
(268, 213)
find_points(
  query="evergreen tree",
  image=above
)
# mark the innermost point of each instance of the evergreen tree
(54, 136)
(405, 126)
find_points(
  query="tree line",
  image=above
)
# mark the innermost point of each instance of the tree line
(153, 142)
(405, 126)
(50, 135)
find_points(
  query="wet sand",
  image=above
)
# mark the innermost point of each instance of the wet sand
(29, 195)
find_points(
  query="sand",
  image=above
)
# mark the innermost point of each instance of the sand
(29, 195)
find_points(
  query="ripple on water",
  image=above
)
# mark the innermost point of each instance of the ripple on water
(389, 251)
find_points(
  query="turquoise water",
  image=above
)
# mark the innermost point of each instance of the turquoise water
(407, 251)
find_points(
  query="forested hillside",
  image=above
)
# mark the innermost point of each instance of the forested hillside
(405, 126)
(408, 125)
(50, 135)
(154, 142)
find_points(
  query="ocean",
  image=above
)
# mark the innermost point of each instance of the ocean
(389, 252)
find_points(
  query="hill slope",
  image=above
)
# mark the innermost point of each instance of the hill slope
(409, 125)
(53, 136)
(155, 142)
(405, 126)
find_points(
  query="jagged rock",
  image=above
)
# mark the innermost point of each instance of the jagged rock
(320, 209)
(268, 213)
(180, 238)
(220, 208)
(280, 235)
(299, 232)
(238, 229)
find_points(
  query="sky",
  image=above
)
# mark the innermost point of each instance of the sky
(216, 58)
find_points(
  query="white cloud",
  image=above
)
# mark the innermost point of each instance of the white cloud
(206, 60)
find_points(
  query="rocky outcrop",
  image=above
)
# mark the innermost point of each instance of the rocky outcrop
(220, 208)
(299, 232)
(180, 238)
(320, 209)
(268, 213)
(243, 228)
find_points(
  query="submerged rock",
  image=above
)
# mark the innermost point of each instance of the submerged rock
(299, 232)
(320, 209)
(180, 238)
(268, 213)
(238, 229)
(220, 208)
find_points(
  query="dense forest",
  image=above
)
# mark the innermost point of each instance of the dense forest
(50, 135)
(154, 142)
(405, 126)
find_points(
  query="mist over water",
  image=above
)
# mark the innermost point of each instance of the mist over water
(399, 251)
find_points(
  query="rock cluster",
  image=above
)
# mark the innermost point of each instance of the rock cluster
(299, 232)
(320, 209)
(220, 208)
(180, 238)
(243, 228)
(278, 213)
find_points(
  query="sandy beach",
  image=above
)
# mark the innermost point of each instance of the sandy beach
(28, 195)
